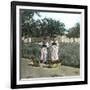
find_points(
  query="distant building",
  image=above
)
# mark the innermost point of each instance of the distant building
(67, 40)
(26, 40)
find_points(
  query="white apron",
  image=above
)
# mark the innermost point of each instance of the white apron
(54, 52)
(44, 54)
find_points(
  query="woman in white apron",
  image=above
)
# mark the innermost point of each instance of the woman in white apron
(54, 52)
(44, 54)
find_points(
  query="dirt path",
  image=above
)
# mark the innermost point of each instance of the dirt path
(28, 71)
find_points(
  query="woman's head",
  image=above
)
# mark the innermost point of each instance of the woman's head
(54, 43)
(44, 45)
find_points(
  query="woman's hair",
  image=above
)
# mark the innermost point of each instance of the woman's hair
(54, 43)
(44, 45)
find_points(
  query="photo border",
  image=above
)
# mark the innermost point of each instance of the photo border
(13, 44)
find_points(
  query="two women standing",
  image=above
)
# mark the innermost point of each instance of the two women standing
(53, 52)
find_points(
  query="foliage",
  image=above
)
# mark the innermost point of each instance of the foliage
(36, 28)
(69, 53)
(74, 32)
(27, 22)
(51, 27)
(29, 50)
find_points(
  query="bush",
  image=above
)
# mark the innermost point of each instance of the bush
(29, 50)
(69, 53)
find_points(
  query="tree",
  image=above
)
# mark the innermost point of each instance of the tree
(27, 22)
(36, 32)
(35, 28)
(74, 32)
(51, 27)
